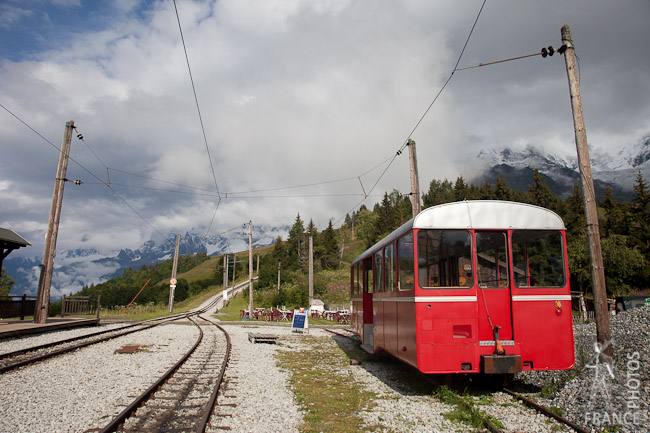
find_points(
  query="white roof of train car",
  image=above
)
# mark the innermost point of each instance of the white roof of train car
(477, 214)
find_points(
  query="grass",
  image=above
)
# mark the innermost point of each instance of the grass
(145, 312)
(465, 412)
(328, 394)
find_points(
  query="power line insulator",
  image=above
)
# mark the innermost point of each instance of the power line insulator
(551, 50)
(562, 49)
(79, 136)
(544, 52)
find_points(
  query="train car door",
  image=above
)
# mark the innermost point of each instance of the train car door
(368, 290)
(494, 287)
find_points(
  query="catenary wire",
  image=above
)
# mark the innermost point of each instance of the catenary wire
(196, 99)
(81, 166)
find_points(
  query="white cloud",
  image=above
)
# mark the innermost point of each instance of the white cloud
(294, 93)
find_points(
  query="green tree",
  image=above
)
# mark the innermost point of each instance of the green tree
(6, 283)
(296, 248)
(641, 214)
(574, 215)
(439, 192)
(365, 227)
(487, 191)
(540, 194)
(502, 191)
(329, 245)
(461, 190)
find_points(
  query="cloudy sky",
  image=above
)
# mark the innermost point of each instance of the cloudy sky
(291, 92)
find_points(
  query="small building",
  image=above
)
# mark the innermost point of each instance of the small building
(317, 305)
(9, 241)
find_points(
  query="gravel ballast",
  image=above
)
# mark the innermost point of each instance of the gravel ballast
(596, 396)
(88, 387)
(83, 390)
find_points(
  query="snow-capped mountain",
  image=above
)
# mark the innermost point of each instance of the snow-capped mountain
(618, 171)
(75, 268)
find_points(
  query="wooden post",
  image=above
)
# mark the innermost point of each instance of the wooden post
(415, 180)
(603, 335)
(172, 282)
(45, 280)
(279, 263)
(257, 272)
(250, 270)
(311, 270)
(225, 271)
(234, 268)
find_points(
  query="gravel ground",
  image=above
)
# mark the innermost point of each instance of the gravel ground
(595, 396)
(257, 386)
(78, 391)
(83, 390)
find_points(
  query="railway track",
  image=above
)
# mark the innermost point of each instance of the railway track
(183, 398)
(23, 357)
(491, 423)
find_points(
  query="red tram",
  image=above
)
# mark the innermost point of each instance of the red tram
(468, 287)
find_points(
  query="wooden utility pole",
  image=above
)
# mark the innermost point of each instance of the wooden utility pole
(47, 265)
(250, 270)
(257, 271)
(279, 263)
(172, 282)
(311, 270)
(415, 180)
(225, 271)
(603, 335)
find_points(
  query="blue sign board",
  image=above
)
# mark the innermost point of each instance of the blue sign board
(300, 320)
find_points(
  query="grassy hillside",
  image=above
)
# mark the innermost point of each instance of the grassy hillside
(200, 276)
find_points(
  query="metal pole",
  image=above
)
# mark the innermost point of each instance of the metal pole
(603, 335)
(250, 270)
(415, 180)
(45, 280)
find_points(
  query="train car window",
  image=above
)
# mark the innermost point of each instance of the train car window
(492, 260)
(379, 272)
(367, 277)
(389, 262)
(406, 273)
(538, 258)
(445, 259)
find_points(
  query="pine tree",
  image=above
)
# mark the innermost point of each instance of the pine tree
(439, 192)
(641, 213)
(574, 215)
(460, 189)
(296, 248)
(540, 194)
(502, 191)
(487, 191)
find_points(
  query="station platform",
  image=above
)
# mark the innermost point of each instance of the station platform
(18, 328)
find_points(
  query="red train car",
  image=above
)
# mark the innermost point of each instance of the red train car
(468, 287)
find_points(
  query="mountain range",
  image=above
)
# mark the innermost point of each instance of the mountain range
(75, 268)
(618, 172)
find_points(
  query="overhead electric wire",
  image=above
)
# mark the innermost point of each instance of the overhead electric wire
(84, 168)
(428, 108)
(196, 99)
